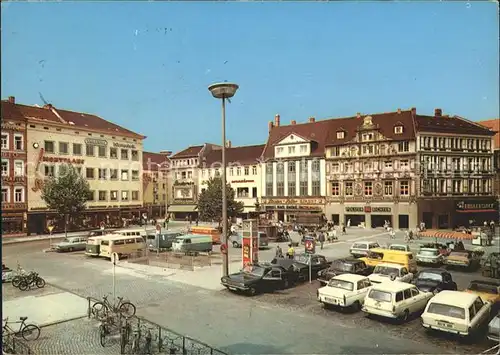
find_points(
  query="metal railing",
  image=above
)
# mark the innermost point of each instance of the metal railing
(13, 345)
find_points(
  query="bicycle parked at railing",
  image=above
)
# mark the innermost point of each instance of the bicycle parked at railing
(26, 331)
(125, 308)
(135, 347)
(31, 281)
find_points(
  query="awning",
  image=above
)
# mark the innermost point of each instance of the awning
(445, 234)
(476, 211)
(182, 208)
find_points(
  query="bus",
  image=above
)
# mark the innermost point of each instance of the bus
(121, 244)
(139, 232)
(213, 232)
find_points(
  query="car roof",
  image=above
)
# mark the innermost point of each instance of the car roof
(349, 261)
(393, 286)
(364, 242)
(426, 248)
(399, 245)
(389, 251)
(455, 298)
(433, 271)
(487, 282)
(350, 277)
(394, 265)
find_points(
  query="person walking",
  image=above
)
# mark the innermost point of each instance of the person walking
(279, 252)
(321, 239)
(343, 229)
(291, 251)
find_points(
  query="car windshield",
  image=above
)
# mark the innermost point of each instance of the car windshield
(344, 285)
(359, 246)
(302, 258)
(398, 247)
(483, 287)
(430, 276)
(429, 252)
(340, 265)
(151, 237)
(381, 296)
(446, 310)
(385, 270)
(66, 240)
(254, 270)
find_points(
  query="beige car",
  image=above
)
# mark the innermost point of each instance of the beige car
(456, 312)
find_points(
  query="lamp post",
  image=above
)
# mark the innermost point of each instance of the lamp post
(224, 91)
(165, 171)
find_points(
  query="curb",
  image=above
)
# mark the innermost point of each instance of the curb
(9, 242)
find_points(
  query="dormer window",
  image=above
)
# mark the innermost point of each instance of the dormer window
(292, 137)
(367, 137)
(279, 150)
(340, 134)
(398, 129)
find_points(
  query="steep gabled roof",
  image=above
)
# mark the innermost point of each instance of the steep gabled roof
(244, 155)
(189, 152)
(493, 124)
(450, 125)
(154, 161)
(51, 115)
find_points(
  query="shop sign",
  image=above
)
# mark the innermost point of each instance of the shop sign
(95, 141)
(123, 145)
(63, 160)
(381, 210)
(462, 205)
(293, 201)
(355, 209)
(242, 181)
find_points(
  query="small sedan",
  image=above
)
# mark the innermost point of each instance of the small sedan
(390, 272)
(343, 266)
(71, 244)
(429, 256)
(300, 265)
(434, 280)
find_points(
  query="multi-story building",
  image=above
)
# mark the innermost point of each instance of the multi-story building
(108, 156)
(155, 184)
(14, 191)
(494, 125)
(456, 168)
(370, 167)
(243, 173)
(184, 168)
(293, 169)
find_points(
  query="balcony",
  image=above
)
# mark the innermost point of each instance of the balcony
(6, 206)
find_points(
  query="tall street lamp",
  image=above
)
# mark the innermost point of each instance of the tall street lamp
(224, 91)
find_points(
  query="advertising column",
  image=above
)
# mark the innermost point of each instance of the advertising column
(250, 242)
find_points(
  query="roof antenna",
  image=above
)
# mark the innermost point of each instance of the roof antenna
(42, 98)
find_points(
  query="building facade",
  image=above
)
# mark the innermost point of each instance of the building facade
(184, 168)
(371, 176)
(456, 166)
(108, 156)
(156, 182)
(243, 173)
(494, 125)
(14, 179)
(293, 169)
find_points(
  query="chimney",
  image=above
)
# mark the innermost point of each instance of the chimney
(312, 119)
(277, 120)
(293, 122)
(271, 125)
(228, 144)
(414, 111)
(399, 111)
(438, 112)
(358, 115)
(12, 99)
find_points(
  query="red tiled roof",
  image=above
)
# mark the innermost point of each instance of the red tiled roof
(189, 152)
(150, 161)
(493, 124)
(67, 118)
(449, 124)
(244, 155)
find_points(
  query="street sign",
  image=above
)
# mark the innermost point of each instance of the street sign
(310, 245)
(50, 228)
(223, 248)
(115, 258)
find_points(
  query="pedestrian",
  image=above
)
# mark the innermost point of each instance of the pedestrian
(197, 221)
(321, 239)
(393, 233)
(349, 223)
(279, 252)
(291, 251)
(344, 232)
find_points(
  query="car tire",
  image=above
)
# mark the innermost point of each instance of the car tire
(235, 244)
(286, 284)
(406, 315)
(356, 306)
(70, 250)
(252, 291)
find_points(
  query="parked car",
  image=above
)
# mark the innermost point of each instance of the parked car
(258, 278)
(7, 273)
(494, 329)
(456, 312)
(429, 256)
(487, 290)
(361, 248)
(161, 241)
(468, 259)
(395, 300)
(193, 243)
(434, 280)
(300, 265)
(400, 247)
(71, 244)
(443, 248)
(379, 255)
(346, 290)
(390, 272)
(343, 266)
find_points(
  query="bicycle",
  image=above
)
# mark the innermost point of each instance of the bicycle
(106, 326)
(134, 348)
(26, 331)
(124, 308)
(31, 281)
(21, 274)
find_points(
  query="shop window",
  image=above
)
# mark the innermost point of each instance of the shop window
(77, 149)
(124, 195)
(48, 146)
(335, 189)
(63, 148)
(18, 142)
(113, 195)
(5, 141)
(368, 188)
(19, 194)
(113, 153)
(348, 188)
(5, 194)
(404, 188)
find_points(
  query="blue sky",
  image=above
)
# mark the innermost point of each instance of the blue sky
(147, 65)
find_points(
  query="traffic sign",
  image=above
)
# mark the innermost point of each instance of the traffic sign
(50, 228)
(310, 245)
(223, 248)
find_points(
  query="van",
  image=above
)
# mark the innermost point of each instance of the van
(161, 241)
(93, 246)
(121, 244)
(215, 233)
(379, 255)
(192, 243)
(138, 232)
(361, 248)
(236, 239)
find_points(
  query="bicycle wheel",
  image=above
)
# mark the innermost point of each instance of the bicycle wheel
(40, 283)
(30, 332)
(127, 309)
(102, 334)
(16, 281)
(23, 285)
(99, 309)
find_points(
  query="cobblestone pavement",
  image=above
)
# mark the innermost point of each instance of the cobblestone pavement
(10, 292)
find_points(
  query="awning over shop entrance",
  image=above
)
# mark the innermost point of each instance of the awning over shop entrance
(445, 234)
(182, 208)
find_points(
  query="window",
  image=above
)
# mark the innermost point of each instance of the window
(89, 149)
(63, 148)
(124, 154)
(279, 150)
(269, 179)
(414, 292)
(291, 150)
(18, 168)
(102, 174)
(247, 170)
(113, 153)
(48, 146)
(335, 167)
(124, 195)
(280, 179)
(124, 174)
(135, 155)
(254, 170)
(5, 168)
(404, 146)
(113, 174)
(340, 134)
(404, 188)
(18, 142)
(103, 195)
(335, 189)
(478, 304)
(101, 151)
(368, 188)
(77, 149)
(231, 172)
(135, 195)
(89, 173)
(404, 164)
(238, 171)
(316, 188)
(388, 164)
(90, 197)
(5, 194)
(398, 130)
(5, 144)
(292, 178)
(19, 194)
(303, 178)
(303, 148)
(348, 188)
(50, 170)
(388, 188)
(399, 296)
(135, 175)
(189, 175)
(407, 294)
(113, 195)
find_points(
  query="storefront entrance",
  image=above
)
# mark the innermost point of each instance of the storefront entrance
(403, 221)
(355, 219)
(335, 219)
(378, 220)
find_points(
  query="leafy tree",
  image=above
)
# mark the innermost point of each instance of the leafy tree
(67, 194)
(210, 201)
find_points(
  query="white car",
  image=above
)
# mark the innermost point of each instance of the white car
(361, 248)
(395, 300)
(346, 290)
(456, 312)
(390, 272)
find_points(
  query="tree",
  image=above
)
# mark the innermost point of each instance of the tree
(67, 194)
(210, 201)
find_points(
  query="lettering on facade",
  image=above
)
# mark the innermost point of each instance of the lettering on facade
(462, 205)
(354, 209)
(63, 160)
(123, 145)
(381, 210)
(95, 141)
(241, 181)
(299, 201)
